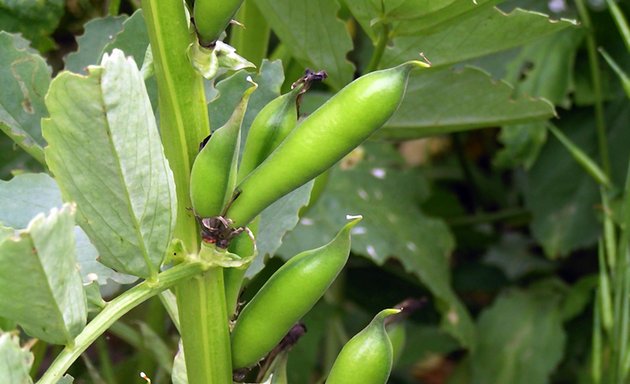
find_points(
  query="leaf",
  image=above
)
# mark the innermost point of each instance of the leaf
(522, 144)
(99, 33)
(513, 333)
(42, 289)
(16, 362)
(313, 35)
(116, 170)
(133, 39)
(448, 14)
(28, 194)
(66, 379)
(230, 91)
(275, 221)
(562, 198)
(513, 255)
(393, 227)
(443, 101)
(154, 344)
(35, 19)
(544, 68)
(487, 32)
(179, 374)
(24, 80)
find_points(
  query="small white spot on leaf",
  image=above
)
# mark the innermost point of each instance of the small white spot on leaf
(363, 194)
(379, 173)
(411, 246)
(306, 221)
(371, 251)
(358, 231)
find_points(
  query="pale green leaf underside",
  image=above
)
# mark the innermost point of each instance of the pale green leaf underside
(106, 154)
(16, 362)
(313, 34)
(487, 32)
(28, 194)
(42, 290)
(447, 100)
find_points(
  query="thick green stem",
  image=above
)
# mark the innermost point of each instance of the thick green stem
(252, 39)
(593, 60)
(202, 299)
(182, 103)
(113, 311)
(183, 124)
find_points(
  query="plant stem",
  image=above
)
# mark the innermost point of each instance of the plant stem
(183, 124)
(113, 311)
(621, 22)
(593, 60)
(203, 300)
(251, 40)
(182, 104)
(379, 49)
(114, 7)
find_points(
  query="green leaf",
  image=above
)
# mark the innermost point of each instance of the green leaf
(393, 227)
(487, 32)
(447, 14)
(115, 171)
(522, 144)
(446, 100)
(132, 38)
(16, 362)
(275, 221)
(24, 80)
(313, 35)
(562, 198)
(544, 68)
(35, 19)
(520, 339)
(99, 33)
(153, 343)
(230, 91)
(28, 194)
(513, 255)
(66, 379)
(42, 289)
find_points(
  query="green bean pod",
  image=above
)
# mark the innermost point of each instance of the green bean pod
(367, 357)
(322, 139)
(212, 17)
(286, 297)
(213, 174)
(272, 124)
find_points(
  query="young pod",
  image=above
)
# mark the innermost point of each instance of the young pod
(272, 124)
(286, 297)
(213, 174)
(322, 139)
(367, 357)
(212, 17)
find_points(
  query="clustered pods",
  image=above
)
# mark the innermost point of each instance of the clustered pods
(279, 156)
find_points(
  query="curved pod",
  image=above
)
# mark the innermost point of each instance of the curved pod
(322, 139)
(286, 297)
(213, 174)
(367, 357)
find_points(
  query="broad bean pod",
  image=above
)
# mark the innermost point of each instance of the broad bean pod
(286, 297)
(322, 139)
(214, 171)
(367, 357)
